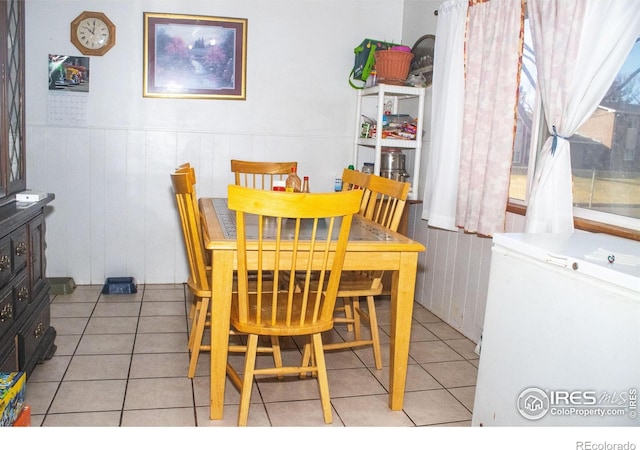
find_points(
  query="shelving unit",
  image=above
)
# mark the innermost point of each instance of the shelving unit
(399, 99)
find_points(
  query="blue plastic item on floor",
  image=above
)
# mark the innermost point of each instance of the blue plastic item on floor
(119, 285)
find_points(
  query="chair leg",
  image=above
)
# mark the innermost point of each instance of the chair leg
(375, 334)
(196, 304)
(307, 355)
(355, 305)
(197, 332)
(277, 354)
(348, 313)
(323, 380)
(247, 380)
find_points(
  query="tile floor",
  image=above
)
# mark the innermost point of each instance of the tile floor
(122, 361)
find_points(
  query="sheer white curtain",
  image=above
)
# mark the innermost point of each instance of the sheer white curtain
(441, 186)
(580, 46)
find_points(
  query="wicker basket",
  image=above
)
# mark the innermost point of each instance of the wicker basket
(392, 66)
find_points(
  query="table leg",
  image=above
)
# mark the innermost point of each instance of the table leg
(402, 296)
(221, 288)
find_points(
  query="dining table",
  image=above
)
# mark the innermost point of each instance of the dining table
(370, 247)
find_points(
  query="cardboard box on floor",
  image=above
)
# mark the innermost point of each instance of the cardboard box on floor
(11, 396)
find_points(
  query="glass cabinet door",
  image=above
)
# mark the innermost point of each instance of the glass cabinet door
(12, 148)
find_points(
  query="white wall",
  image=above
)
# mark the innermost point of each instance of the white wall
(114, 212)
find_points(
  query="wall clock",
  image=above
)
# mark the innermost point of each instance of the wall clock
(93, 33)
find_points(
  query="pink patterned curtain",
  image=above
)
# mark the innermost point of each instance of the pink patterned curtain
(494, 45)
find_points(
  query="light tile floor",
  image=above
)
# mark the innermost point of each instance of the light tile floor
(122, 361)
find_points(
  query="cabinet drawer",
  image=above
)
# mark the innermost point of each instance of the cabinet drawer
(19, 249)
(21, 293)
(33, 332)
(5, 261)
(13, 254)
(9, 357)
(6, 311)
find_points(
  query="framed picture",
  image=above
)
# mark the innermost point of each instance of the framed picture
(187, 56)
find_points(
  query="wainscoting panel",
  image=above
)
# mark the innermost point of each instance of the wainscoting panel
(453, 273)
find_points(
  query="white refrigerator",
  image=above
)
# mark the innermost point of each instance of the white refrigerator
(561, 338)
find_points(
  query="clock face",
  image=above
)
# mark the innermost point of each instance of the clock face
(93, 33)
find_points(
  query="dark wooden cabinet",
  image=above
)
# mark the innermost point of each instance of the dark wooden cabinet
(26, 336)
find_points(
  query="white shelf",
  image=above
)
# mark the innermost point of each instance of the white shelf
(399, 143)
(396, 94)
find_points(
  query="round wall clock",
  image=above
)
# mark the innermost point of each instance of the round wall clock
(93, 33)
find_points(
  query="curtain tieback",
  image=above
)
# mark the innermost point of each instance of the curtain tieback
(554, 143)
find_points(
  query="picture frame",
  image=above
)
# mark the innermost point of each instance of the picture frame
(192, 56)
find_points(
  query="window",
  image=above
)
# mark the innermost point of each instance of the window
(605, 150)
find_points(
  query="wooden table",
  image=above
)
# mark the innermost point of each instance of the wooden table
(370, 247)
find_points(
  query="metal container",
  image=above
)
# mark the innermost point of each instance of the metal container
(392, 165)
(398, 175)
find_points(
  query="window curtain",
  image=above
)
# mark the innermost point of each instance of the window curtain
(494, 46)
(580, 47)
(441, 186)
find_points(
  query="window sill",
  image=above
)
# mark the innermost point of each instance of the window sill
(586, 225)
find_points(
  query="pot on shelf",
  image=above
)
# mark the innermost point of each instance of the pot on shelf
(392, 165)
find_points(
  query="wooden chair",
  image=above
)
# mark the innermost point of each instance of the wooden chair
(260, 174)
(352, 179)
(292, 230)
(385, 203)
(198, 283)
(183, 181)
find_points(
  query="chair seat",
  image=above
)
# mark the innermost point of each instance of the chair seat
(359, 284)
(279, 326)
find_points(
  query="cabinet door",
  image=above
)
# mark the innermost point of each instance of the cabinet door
(12, 145)
(38, 261)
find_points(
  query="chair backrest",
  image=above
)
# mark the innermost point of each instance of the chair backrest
(259, 174)
(386, 201)
(352, 179)
(183, 181)
(293, 237)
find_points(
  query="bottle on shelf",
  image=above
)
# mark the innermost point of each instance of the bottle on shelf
(305, 184)
(293, 183)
